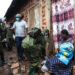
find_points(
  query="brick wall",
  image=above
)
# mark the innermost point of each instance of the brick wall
(24, 10)
(42, 6)
(44, 23)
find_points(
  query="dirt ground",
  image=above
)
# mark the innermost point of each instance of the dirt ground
(11, 58)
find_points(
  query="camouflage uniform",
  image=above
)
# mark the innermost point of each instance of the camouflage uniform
(0, 38)
(9, 37)
(33, 45)
(3, 33)
(1, 46)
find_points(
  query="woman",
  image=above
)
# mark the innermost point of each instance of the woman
(61, 63)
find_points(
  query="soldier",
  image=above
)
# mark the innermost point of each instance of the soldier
(1, 46)
(9, 36)
(33, 44)
(4, 33)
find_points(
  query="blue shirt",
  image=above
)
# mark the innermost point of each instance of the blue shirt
(64, 54)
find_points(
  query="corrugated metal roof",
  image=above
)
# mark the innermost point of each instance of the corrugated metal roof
(14, 7)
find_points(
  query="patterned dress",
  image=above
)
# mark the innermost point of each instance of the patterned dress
(58, 67)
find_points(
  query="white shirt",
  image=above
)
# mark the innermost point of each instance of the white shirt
(20, 27)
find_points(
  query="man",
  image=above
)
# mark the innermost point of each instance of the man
(5, 25)
(1, 46)
(21, 29)
(9, 36)
(33, 46)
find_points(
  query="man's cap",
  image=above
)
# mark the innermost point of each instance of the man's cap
(18, 16)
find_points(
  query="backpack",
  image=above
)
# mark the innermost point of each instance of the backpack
(28, 42)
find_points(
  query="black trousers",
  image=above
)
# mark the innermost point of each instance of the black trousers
(2, 56)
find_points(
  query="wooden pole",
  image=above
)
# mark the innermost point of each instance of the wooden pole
(74, 41)
(51, 41)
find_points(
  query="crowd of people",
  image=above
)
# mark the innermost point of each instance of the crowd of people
(60, 64)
